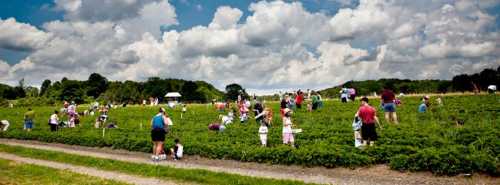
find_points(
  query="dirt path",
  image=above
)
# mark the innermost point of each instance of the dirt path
(88, 171)
(379, 174)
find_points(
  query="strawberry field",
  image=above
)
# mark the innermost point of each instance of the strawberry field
(421, 142)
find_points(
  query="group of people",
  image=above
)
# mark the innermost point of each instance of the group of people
(297, 99)
(347, 94)
(161, 124)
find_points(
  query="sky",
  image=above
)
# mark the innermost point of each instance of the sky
(265, 46)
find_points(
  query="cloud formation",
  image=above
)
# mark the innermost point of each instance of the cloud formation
(279, 45)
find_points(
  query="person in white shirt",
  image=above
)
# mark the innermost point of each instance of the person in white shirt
(4, 125)
(177, 150)
(265, 122)
(287, 128)
(54, 121)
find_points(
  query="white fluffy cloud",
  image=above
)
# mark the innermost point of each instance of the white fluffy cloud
(279, 45)
(20, 36)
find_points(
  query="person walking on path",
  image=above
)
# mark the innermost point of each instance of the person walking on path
(28, 120)
(387, 99)
(54, 121)
(158, 124)
(368, 116)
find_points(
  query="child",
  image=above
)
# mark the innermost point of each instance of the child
(177, 150)
(243, 112)
(356, 126)
(287, 128)
(309, 107)
(265, 121)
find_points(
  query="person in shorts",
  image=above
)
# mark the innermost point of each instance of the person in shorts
(28, 119)
(368, 116)
(387, 99)
(158, 124)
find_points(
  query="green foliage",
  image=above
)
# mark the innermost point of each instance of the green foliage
(432, 144)
(19, 173)
(233, 90)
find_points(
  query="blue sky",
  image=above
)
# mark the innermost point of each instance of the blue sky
(326, 42)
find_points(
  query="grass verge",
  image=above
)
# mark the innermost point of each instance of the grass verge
(162, 172)
(20, 174)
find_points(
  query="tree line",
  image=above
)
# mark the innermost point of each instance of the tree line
(460, 83)
(98, 88)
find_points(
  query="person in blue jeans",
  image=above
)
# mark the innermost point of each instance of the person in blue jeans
(28, 119)
(158, 124)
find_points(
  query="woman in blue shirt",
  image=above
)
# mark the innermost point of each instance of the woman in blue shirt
(158, 125)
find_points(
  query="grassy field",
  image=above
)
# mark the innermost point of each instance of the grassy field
(422, 142)
(14, 173)
(162, 172)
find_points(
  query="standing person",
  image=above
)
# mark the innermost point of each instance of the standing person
(422, 108)
(184, 110)
(54, 121)
(243, 111)
(265, 121)
(352, 94)
(308, 94)
(283, 105)
(299, 99)
(315, 101)
(258, 108)
(158, 124)
(320, 100)
(28, 120)
(344, 94)
(369, 118)
(287, 128)
(387, 99)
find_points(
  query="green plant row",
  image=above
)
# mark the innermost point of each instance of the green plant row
(421, 142)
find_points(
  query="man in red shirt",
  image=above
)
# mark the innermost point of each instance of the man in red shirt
(299, 99)
(387, 99)
(368, 116)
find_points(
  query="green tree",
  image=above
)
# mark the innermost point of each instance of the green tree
(233, 90)
(45, 86)
(96, 84)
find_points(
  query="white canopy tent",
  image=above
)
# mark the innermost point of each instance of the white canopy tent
(173, 98)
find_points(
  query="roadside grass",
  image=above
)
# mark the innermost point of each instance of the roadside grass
(19, 174)
(162, 172)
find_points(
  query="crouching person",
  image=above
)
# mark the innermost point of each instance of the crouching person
(4, 125)
(177, 150)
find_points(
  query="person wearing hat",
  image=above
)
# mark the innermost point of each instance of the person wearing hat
(287, 128)
(425, 105)
(158, 124)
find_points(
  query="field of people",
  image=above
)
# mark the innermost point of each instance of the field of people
(431, 141)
